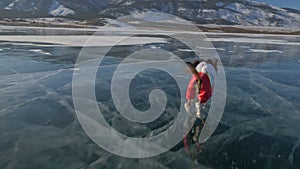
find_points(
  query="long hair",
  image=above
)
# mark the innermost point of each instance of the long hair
(213, 62)
(196, 62)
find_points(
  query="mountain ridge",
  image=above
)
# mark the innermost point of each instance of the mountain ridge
(232, 12)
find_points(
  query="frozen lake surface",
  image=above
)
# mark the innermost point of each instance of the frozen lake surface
(39, 128)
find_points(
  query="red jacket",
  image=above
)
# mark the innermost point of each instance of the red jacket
(205, 92)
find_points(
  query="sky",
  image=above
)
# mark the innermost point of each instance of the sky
(295, 4)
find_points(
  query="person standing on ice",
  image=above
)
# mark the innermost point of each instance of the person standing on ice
(207, 71)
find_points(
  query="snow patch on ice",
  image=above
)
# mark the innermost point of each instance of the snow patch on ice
(245, 47)
(185, 50)
(265, 51)
(40, 51)
(206, 48)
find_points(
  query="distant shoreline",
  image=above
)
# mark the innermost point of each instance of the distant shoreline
(43, 24)
(204, 28)
(249, 29)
